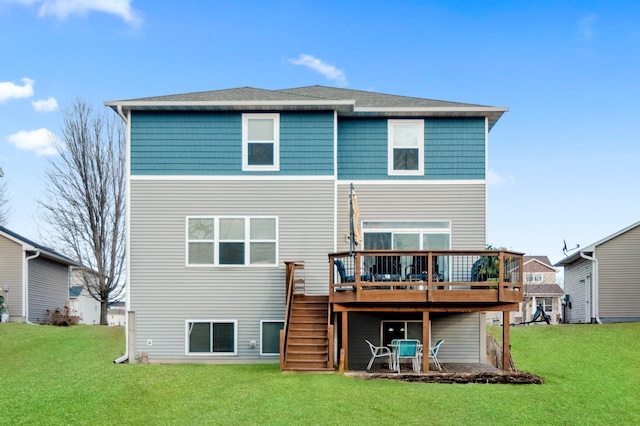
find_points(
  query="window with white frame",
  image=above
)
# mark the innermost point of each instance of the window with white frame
(534, 277)
(547, 302)
(232, 240)
(211, 337)
(406, 147)
(435, 235)
(270, 337)
(260, 142)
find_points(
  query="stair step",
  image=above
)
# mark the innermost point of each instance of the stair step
(306, 364)
(309, 370)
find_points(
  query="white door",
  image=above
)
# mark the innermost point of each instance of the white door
(587, 295)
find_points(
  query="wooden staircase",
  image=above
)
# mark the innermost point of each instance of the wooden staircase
(307, 339)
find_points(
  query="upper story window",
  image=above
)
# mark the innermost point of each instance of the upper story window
(406, 147)
(261, 142)
(533, 277)
(232, 241)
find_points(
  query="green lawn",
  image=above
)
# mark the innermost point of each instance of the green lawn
(65, 375)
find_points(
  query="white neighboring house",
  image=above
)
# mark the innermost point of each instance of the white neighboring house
(116, 314)
(81, 303)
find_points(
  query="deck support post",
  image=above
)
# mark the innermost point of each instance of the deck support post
(506, 342)
(426, 341)
(345, 340)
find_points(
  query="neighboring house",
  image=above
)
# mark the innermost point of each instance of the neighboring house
(601, 280)
(540, 288)
(225, 186)
(34, 278)
(81, 303)
(117, 314)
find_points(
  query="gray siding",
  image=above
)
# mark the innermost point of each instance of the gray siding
(461, 332)
(48, 287)
(462, 204)
(575, 278)
(164, 292)
(619, 276)
(11, 274)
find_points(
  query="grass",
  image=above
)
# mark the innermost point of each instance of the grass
(66, 376)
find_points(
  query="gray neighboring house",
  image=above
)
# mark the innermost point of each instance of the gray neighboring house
(226, 185)
(33, 278)
(602, 280)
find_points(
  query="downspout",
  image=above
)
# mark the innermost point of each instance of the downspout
(594, 301)
(125, 356)
(26, 286)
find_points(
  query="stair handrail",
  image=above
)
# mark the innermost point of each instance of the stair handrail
(290, 272)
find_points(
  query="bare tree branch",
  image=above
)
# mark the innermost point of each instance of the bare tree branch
(85, 198)
(4, 203)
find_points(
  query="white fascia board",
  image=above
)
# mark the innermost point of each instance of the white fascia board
(231, 178)
(230, 104)
(431, 109)
(420, 182)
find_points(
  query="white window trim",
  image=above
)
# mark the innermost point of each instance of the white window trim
(262, 353)
(276, 143)
(391, 171)
(216, 242)
(417, 230)
(210, 354)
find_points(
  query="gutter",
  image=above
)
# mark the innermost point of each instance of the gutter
(594, 301)
(26, 286)
(125, 357)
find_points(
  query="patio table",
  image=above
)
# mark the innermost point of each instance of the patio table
(395, 361)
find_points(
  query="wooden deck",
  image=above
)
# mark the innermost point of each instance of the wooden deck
(486, 280)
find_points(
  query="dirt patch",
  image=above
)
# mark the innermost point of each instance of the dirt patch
(517, 378)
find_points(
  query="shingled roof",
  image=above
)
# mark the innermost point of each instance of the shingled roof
(345, 101)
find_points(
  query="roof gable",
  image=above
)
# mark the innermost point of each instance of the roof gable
(31, 245)
(591, 247)
(537, 264)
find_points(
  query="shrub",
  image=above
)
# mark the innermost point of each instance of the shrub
(61, 317)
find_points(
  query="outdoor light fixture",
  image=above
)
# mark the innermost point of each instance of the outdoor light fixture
(6, 289)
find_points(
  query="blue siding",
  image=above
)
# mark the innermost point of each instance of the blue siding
(454, 149)
(211, 144)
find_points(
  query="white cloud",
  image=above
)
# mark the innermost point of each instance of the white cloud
(45, 105)
(65, 8)
(585, 26)
(10, 90)
(329, 71)
(40, 141)
(494, 179)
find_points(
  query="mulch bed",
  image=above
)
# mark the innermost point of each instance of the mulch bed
(516, 378)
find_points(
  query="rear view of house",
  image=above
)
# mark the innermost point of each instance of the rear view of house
(601, 280)
(33, 278)
(227, 186)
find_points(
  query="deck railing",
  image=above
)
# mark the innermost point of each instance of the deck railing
(482, 276)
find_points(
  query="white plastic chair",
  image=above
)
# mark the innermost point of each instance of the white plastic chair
(433, 353)
(379, 352)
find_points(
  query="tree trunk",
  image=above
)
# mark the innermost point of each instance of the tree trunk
(104, 305)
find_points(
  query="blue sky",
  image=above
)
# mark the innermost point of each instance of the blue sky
(564, 161)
